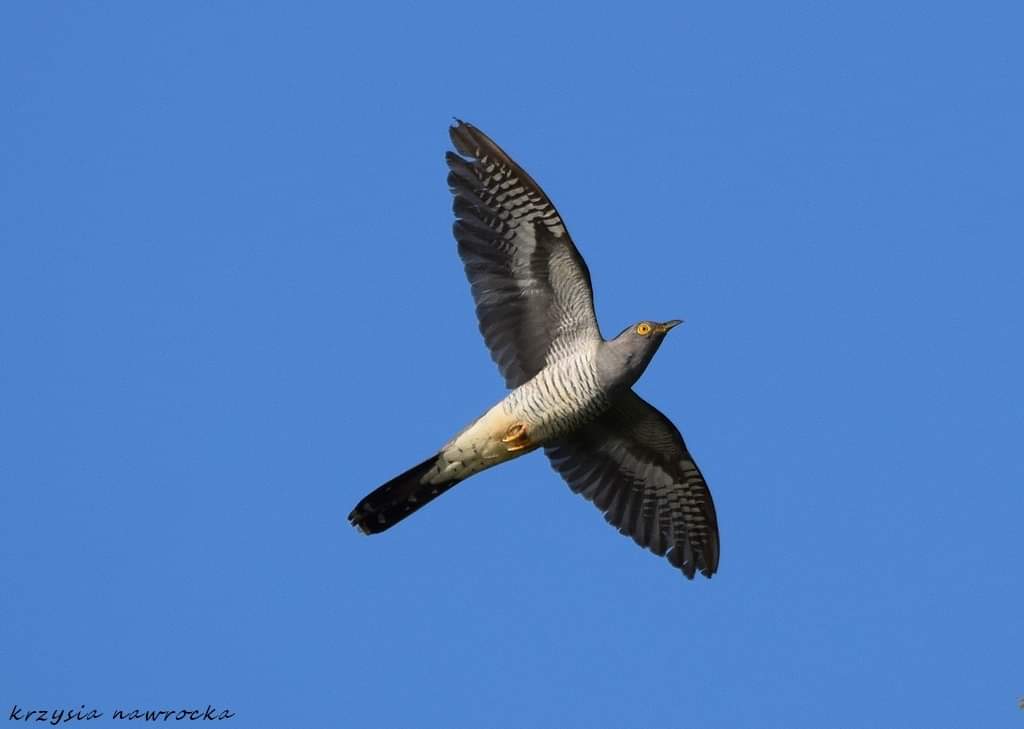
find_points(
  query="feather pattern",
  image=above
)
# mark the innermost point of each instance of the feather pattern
(633, 465)
(533, 295)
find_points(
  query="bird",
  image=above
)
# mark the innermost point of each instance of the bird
(570, 391)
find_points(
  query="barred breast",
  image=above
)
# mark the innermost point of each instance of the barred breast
(560, 398)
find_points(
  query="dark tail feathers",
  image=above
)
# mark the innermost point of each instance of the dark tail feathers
(395, 500)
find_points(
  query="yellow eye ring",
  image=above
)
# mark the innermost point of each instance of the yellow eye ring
(643, 329)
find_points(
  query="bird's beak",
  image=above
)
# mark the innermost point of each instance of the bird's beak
(669, 324)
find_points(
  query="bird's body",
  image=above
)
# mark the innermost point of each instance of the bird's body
(563, 396)
(570, 388)
(559, 399)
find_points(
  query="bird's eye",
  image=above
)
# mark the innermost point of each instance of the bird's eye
(643, 329)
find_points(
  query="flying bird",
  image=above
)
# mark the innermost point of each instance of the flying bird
(570, 389)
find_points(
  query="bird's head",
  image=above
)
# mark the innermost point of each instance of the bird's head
(623, 359)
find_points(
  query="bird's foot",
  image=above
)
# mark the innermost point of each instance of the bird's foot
(516, 438)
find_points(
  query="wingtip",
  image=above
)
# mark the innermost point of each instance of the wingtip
(464, 138)
(458, 126)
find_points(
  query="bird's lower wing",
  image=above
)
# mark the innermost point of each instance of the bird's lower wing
(633, 465)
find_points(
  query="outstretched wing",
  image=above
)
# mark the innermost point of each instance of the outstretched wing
(633, 464)
(532, 289)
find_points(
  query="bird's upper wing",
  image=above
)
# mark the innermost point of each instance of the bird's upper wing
(532, 289)
(633, 464)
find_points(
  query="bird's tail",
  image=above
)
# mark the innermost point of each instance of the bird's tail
(401, 496)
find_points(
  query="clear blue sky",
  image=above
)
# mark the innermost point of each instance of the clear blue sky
(230, 305)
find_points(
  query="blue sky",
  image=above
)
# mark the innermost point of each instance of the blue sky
(230, 305)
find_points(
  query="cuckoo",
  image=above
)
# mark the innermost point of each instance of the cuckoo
(570, 390)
